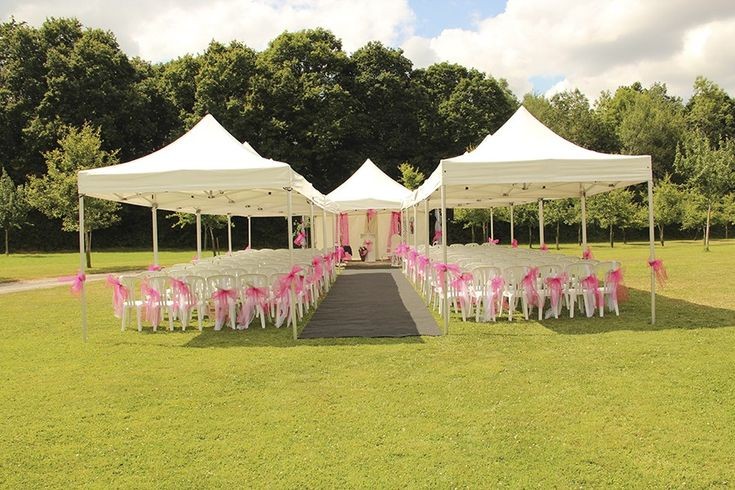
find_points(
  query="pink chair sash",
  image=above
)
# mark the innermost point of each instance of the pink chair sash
(221, 299)
(154, 268)
(614, 281)
(529, 286)
(254, 297)
(493, 241)
(119, 294)
(183, 298)
(77, 282)
(494, 291)
(152, 303)
(442, 269)
(422, 263)
(660, 271)
(462, 283)
(556, 286)
(437, 237)
(587, 254)
(544, 248)
(592, 285)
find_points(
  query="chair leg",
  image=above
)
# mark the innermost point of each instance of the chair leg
(138, 314)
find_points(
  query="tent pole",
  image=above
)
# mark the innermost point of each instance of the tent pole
(199, 234)
(445, 286)
(82, 268)
(337, 228)
(250, 233)
(324, 231)
(154, 224)
(492, 225)
(415, 227)
(229, 233)
(541, 222)
(583, 205)
(312, 242)
(652, 253)
(426, 227)
(512, 231)
(292, 306)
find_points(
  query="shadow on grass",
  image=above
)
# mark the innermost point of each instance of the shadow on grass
(635, 315)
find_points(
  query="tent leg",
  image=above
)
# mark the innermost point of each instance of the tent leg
(541, 222)
(652, 252)
(82, 268)
(154, 223)
(229, 233)
(512, 230)
(426, 227)
(199, 234)
(583, 206)
(292, 305)
(324, 231)
(312, 241)
(445, 286)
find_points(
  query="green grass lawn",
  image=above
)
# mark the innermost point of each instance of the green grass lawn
(36, 265)
(561, 403)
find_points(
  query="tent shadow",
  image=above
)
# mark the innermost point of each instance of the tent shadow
(635, 316)
(273, 337)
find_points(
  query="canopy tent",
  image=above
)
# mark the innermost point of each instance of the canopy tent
(369, 188)
(524, 161)
(205, 171)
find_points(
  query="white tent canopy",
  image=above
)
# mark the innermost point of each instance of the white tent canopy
(206, 169)
(369, 188)
(525, 161)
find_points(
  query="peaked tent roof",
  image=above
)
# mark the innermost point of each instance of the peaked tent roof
(524, 161)
(206, 169)
(369, 188)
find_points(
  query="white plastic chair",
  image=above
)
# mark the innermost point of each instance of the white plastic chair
(223, 282)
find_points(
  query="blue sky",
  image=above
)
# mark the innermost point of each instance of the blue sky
(433, 16)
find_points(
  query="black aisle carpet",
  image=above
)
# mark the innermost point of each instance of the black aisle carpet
(371, 303)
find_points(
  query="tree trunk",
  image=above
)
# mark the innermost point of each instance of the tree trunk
(625, 237)
(661, 234)
(612, 243)
(726, 237)
(706, 232)
(88, 249)
(7, 250)
(530, 237)
(557, 235)
(211, 235)
(472, 229)
(579, 235)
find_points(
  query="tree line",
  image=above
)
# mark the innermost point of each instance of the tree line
(70, 98)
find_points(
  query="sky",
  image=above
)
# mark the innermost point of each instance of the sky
(542, 46)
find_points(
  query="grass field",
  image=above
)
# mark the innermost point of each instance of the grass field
(561, 403)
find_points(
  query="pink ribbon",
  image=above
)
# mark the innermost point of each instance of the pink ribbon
(556, 286)
(369, 245)
(401, 249)
(462, 284)
(154, 268)
(283, 293)
(152, 302)
(592, 285)
(422, 262)
(411, 257)
(493, 293)
(614, 281)
(316, 262)
(514, 243)
(544, 248)
(529, 286)
(77, 282)
(658, 267)
(340, 253)
(437, 237)
(119, 294)
(442, 269)
(254, 297)
(587, 254)
(300, 239)
(183, 297)
(221, 299)
(493, 241)
(371, 214)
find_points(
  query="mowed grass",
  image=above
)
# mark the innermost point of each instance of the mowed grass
(22, 266)
(582, 402)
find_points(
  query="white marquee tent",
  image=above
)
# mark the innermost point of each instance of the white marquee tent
(524, 161)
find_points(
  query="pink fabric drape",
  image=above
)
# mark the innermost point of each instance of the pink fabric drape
(395, 228)
(119, 294)
(529, 286)
(494, 293)
(556, 287)
(658, 267)
(344, 229)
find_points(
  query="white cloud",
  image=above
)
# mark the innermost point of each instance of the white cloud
(596, 44)
(166, 29)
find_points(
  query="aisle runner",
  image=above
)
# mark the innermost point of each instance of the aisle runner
(371, 303)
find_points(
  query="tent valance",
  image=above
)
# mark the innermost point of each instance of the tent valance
(368, 188)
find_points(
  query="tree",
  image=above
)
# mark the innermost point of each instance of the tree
(614, 208)
(471, 218)
(55, 193)
(209, 224)
(709, 171)
(560, 211)
(667, 205)
(411, 177)
(527, 214)
(728, 212)
(711, 110)
(694, 212)
(13, 206)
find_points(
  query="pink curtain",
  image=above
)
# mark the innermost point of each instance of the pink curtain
(395, 228)
(344, 229)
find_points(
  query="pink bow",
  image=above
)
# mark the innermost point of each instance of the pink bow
(437, 237)
(300, 239)
(658, 267)
(462, 284)
(514, 243)
(119, 294)
(316, 262)
(152, 301)
(254, 297)
(592, 285)
(617, 288)
(183, 297)
(401, 249)
(529, 286)
(493, 295)
(222, 298)
(544, 247)
(371, 213)
(587, 254)
(77, 282)
(194, 259)
(442, 269)
(493, 241)
(555, 285)
(422, 262)
(154, 268)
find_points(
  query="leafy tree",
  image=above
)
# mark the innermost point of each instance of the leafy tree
(728, 212)
(471, 218)
(527, 214)
(694, 212)
(614, 208)
(411, 177)
(711, 110)
(560, 211)
(209, 224)
(55, 193)
(667, 205)
(709, 171)
(13, 206)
